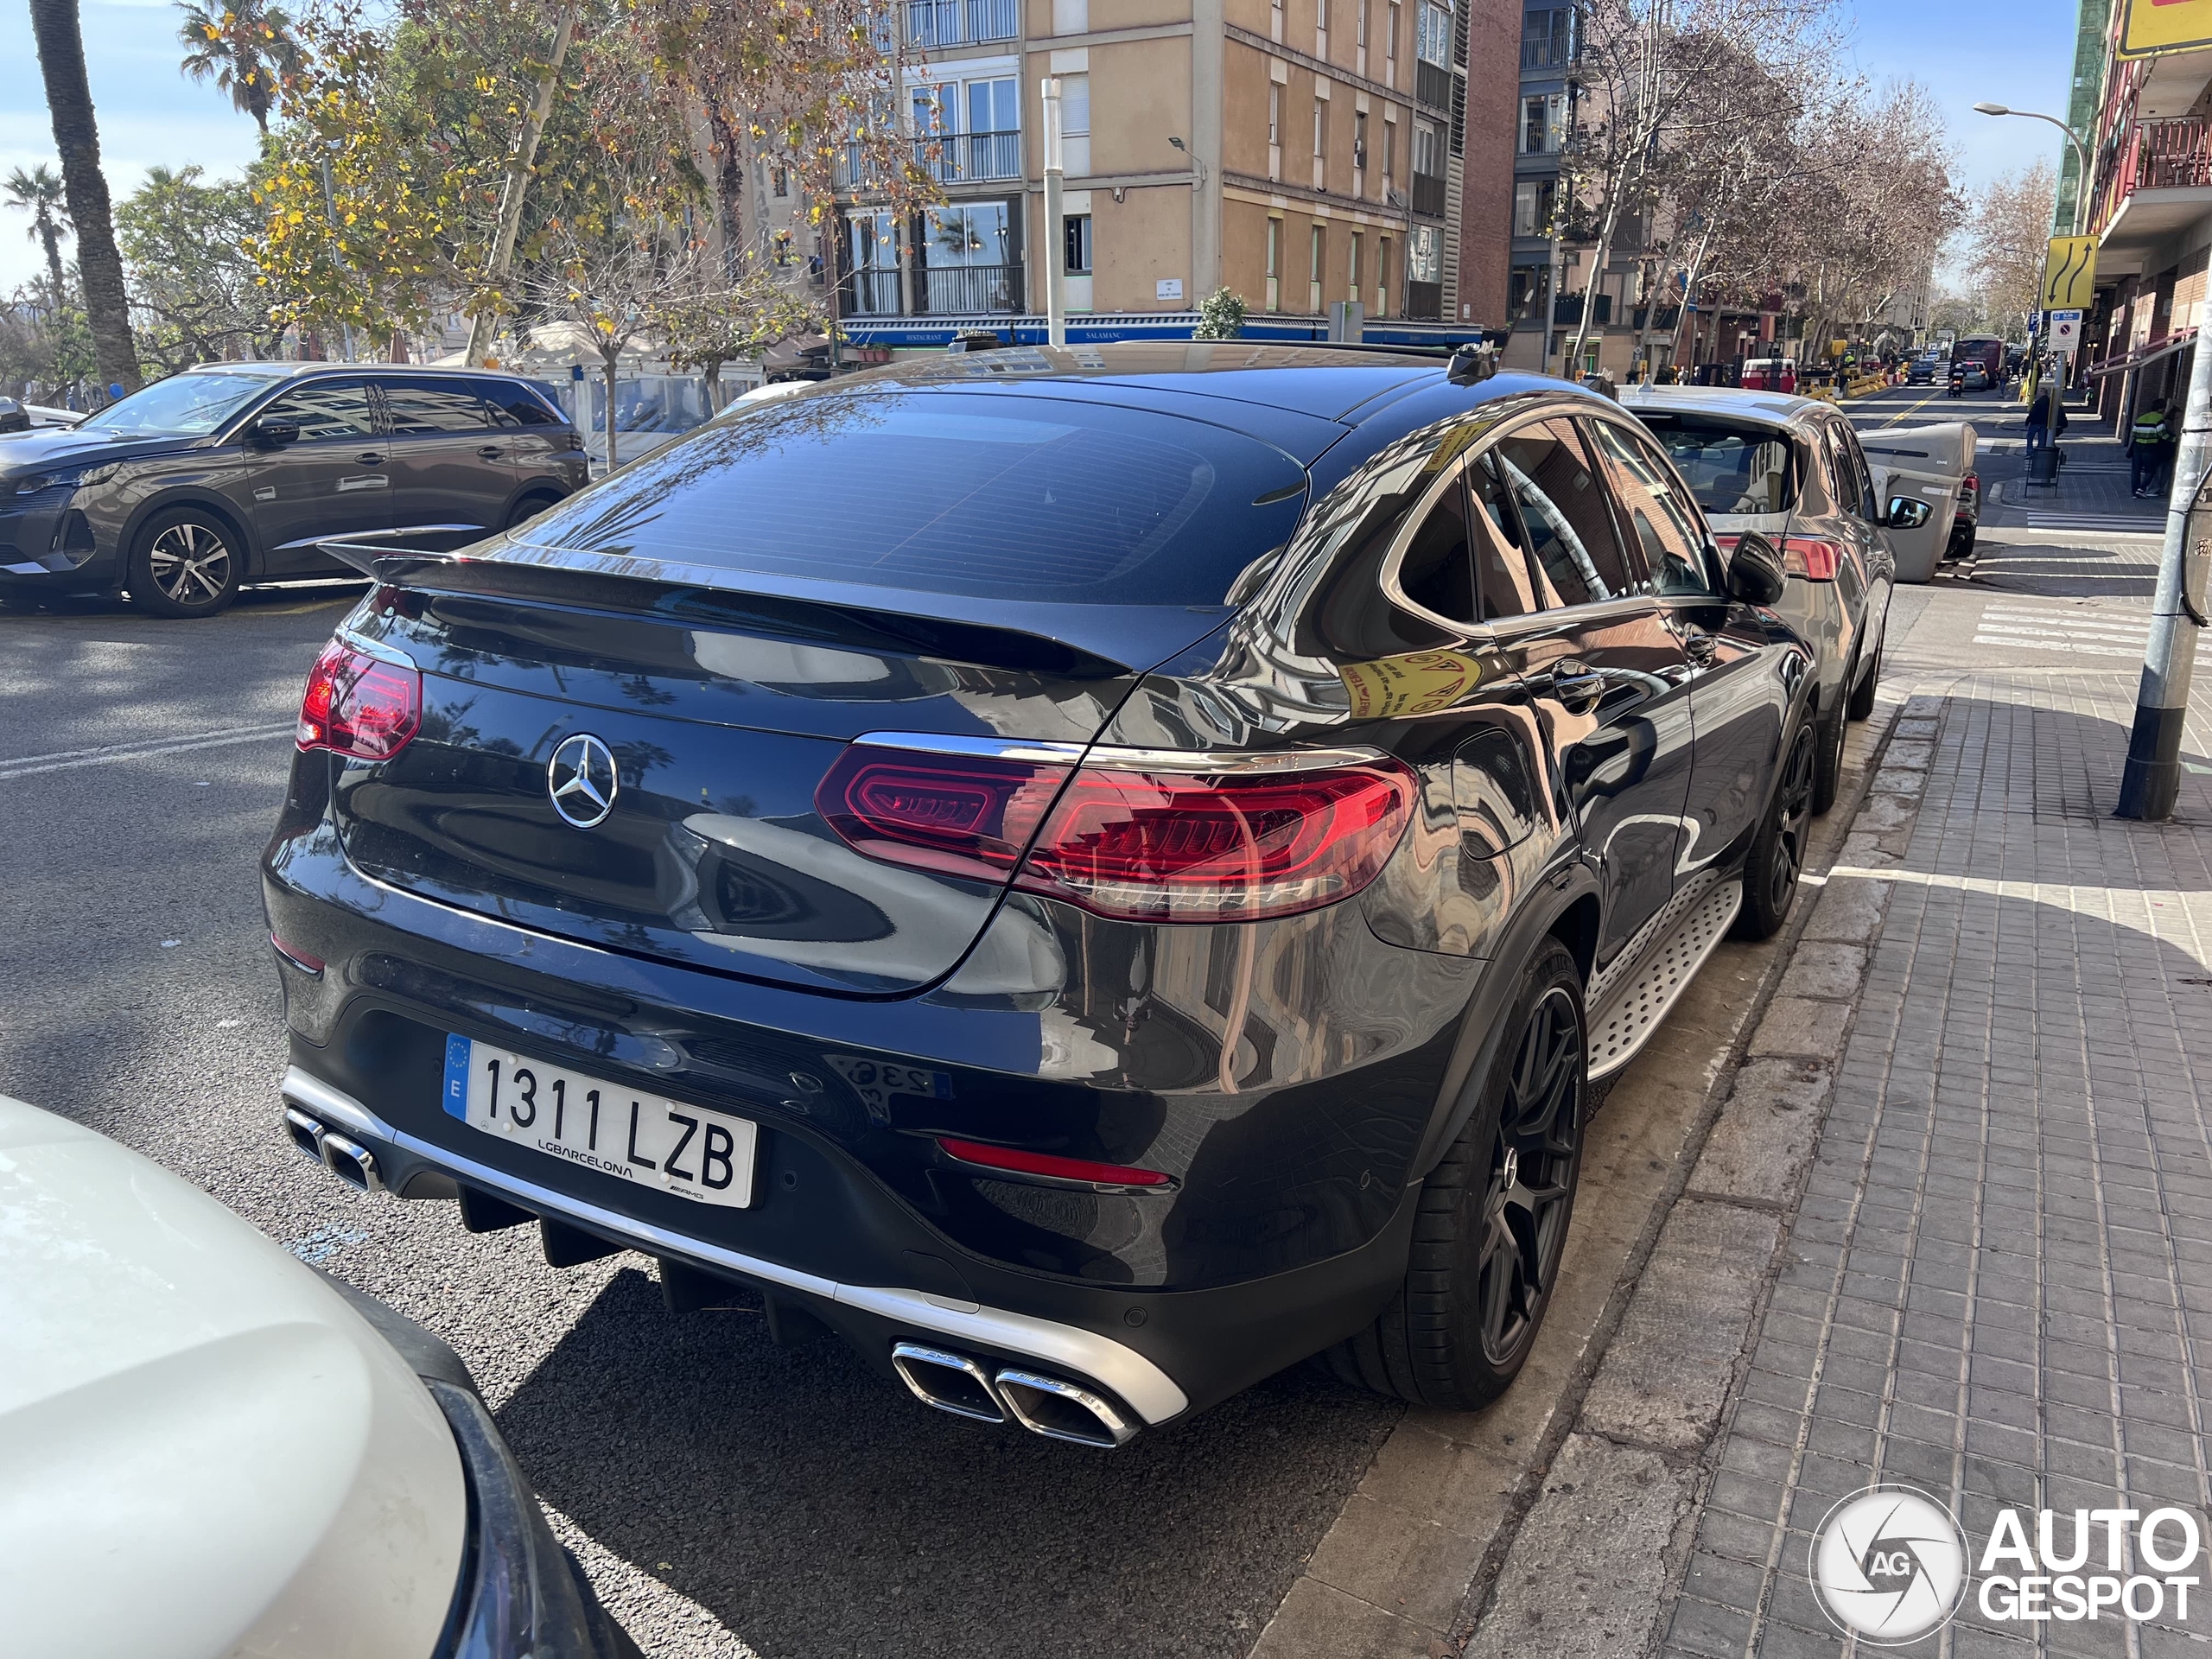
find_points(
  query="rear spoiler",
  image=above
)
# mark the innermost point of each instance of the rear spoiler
(1077, 642)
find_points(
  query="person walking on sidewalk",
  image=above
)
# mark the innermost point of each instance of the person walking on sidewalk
(2149, 442)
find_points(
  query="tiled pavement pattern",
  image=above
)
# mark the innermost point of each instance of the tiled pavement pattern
(1998, 1285)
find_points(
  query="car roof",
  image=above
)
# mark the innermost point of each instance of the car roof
(1778, 408)
(275, 371)
(1329, 382)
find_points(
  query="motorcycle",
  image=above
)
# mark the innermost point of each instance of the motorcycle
(1958, 383)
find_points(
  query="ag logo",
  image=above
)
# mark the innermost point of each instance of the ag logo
(1889, 1565)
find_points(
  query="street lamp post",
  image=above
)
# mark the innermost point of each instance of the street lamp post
(2151, 780)
(2081, 152)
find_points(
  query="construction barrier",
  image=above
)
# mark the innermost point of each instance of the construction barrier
(1865, 383)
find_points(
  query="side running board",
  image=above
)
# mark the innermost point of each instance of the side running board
(1634, 1005)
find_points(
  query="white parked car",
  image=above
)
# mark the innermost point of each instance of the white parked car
(207, 1448)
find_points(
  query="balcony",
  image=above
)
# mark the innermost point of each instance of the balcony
(1428, 196)
(873, 294)
(961, 22)
(1432, 84)
(2155, 178)
(968, 290)
(969, 157)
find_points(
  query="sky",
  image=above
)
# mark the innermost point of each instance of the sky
(2015, 52)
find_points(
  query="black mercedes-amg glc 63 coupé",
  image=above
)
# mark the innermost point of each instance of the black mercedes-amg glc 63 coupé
(1094, 874)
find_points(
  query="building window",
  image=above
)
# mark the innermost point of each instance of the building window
(1389, 153)
(1359, 141)
(1548, 39)
(1313, 274)
(1274, 114)
(1428, 150)
(1526, 293)
(1275, 264)
(1075, 106)
(1353, 271)
(1532, 206)
(1391, 42)
(1076, 227)
(1382, 278)
(1427, 255)
(1360, 27)
(780, 180)
(1543, 121)
(1320, 128)
(1434, 45)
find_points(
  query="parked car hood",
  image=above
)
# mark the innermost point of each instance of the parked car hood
(208, 1450)
(45, 446)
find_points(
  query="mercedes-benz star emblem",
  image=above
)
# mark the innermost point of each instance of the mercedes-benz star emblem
(581, 780)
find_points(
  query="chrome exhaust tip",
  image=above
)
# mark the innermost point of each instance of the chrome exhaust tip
(948, 1382)
(1062, 1411)
(349, 1160)
(305, 1131)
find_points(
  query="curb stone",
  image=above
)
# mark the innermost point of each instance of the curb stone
(1669, 1371)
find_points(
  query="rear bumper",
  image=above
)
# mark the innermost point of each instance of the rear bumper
(1288, 1229)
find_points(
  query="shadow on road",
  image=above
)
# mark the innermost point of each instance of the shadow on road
(818, 1511)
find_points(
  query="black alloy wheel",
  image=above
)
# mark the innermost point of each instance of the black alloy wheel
(528, 508)
(1493, 1218)
(1532, 1171)
(185, 564)
(1777, 857)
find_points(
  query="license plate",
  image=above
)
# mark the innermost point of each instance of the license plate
(701, 1154)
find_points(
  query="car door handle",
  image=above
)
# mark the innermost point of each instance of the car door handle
(1577, 685)
(371, 458)
(1701, 646)
(491, 452)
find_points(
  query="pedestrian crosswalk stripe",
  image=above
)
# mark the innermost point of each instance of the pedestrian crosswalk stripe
(2030, 636)
(2070, 647)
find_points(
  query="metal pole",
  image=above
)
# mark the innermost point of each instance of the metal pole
(330, 213)
(1055, 305)
(2153, 779)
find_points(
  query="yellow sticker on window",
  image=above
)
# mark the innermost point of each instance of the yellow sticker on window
(1418, 682)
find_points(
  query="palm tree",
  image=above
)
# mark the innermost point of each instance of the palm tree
(37, 191)
(60, 40)
(245, 47)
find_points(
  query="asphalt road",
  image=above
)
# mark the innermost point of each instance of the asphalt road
(727, 1495)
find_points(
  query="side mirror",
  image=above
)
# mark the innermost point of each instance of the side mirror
(1905, 513)
(275, 435)
(1756, 573)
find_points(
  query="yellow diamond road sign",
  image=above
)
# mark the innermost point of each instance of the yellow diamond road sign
(2070, 274)
(2164, 26)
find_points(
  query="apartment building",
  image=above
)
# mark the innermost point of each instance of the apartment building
(1300, 152)
(2150, 206)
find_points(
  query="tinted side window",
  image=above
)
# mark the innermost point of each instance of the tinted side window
(1500, 562)
(326, 410)
(515, 405)
(1436, 573)
(1564, 514)
(1652, 511)
(425, 407)
(1868, 508)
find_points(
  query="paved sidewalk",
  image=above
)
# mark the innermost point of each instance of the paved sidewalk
(1998, 1285)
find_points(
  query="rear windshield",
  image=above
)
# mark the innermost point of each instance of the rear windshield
(995, 495)
(1731, 465)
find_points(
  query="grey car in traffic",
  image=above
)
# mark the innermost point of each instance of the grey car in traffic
(233, 472)
(1792, 469)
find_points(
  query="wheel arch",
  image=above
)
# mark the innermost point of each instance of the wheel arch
(205, 501)
(1569, 911)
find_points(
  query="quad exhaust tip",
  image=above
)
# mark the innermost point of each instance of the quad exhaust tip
(342, 1155)
(1057, 1409)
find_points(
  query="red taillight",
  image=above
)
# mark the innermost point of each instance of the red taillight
(1970, 485)
(1146, 839)
(359, 706)
(1813, 557)
(305, 960)
(1044, 1163)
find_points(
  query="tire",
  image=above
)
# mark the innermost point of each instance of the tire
(1960, 545)
(1861, 704)
(1828, 755)
(527, 509)
(1488, 1239)
(187, 564)
(1778, 855)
